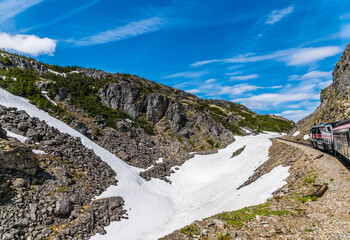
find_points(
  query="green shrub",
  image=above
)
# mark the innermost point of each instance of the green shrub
(188, 230)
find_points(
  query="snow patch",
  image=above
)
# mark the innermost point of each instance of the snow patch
(306, 137)
(160, 160)
(17, 136)
(203, 186)
(44, 93)
(39, 152)
(57, 73)
(296, 133)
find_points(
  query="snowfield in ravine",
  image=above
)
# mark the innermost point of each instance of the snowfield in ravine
(203, 186)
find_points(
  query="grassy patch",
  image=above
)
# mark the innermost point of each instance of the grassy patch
(240, 217)
(225, 236)
(188, 230)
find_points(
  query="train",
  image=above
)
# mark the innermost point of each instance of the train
(333, 137)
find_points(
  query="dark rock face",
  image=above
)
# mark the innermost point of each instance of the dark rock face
(62, 95)
(175, 116)
(156, 107)
(125, 97)
(18, 157)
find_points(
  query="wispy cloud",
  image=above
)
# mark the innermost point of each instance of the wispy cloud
(10, 8)
(29, 44)
(244, 77)
(304, 56)
(294, 114)
(62, 17)
(130, 30)
(187, 74)
(268, 100)
(292, 56)
(277, 15)
(210, 80)
(312, 75)
(193, 91)
(200, 63)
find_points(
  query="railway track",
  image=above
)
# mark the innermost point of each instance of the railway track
(301, 143)
(342, 160)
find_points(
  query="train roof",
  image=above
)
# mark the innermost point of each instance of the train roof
(341, 127)
(324, 124)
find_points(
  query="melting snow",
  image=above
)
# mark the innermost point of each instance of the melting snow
(57, 73)
(296, 133)
(203, 186)
(18, 137)
(39, 152)
(44, 93)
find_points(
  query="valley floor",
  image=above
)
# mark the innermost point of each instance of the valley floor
(314, 204)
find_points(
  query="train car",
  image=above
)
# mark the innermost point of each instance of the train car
(341, 136)
(321, 136)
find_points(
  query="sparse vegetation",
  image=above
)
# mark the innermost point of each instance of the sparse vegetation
(188, 230)
(240, 217)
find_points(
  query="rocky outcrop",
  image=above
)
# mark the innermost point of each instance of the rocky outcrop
(16, 156)
(123, 96)
(22, 63)
(335, 99)
(156, 107)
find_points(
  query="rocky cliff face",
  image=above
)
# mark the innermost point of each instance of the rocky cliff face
(335, 99)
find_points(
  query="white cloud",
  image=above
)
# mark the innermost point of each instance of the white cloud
(238, 89)
(210, 80)
(29, 44)
(277, 15)
(304, 56)
(292, 56)
(294, 115)
(234, 73)
(10, 8)
(270, 100)
(201, 63)
(244, 77)
(313, 75)
(62, 17)
(130, 30)
(187, 74)
(193, 91)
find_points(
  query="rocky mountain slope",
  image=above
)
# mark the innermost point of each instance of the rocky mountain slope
(138, 120)
(47, 183)
(335, 99)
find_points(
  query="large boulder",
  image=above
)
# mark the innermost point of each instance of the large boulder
(63, 207)
(17, 156)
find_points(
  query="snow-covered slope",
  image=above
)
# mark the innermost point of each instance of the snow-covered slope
(203, 186)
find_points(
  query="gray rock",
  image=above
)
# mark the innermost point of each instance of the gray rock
(18, 157)
(20, 183)
(63, 207)
(156, 107)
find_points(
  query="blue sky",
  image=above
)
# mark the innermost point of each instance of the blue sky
(272, 56)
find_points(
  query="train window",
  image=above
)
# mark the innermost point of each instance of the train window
(328, 129)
